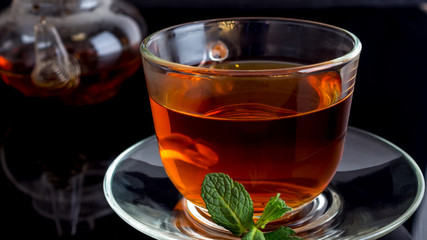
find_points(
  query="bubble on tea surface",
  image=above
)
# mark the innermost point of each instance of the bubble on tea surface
(218, 51)
(181, 147)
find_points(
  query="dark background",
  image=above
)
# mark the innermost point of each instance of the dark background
(389, 98)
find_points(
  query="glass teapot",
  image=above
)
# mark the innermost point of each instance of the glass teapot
(79, 51)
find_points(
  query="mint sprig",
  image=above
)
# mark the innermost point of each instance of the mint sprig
(254, 234)
(275, 209)
(231, 207)
(281, 233)
(228, 203)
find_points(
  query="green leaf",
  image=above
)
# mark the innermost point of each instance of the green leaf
(228, 203)
(282, 233)
(254, 234)
(275, 209)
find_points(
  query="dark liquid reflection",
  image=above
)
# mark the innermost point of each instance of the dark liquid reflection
(58, 155)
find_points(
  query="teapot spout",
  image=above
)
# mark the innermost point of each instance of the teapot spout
(54, 68)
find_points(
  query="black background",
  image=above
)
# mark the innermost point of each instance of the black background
(389, 98)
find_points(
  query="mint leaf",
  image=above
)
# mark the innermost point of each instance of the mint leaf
(228, 203)
(230, 206)
(282, 233)
(254, 234)
(275, 209)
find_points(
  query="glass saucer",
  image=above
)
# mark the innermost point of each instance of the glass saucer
(378, 185)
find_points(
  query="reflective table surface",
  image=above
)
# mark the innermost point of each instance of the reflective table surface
(54, 157)
(377, 185)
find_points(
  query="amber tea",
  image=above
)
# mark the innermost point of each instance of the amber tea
(264, 100)
(278, 135)
(96, 84)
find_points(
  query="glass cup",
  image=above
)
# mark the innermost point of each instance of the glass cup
(264, 100)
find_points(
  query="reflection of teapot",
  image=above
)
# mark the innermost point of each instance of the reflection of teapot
(60, 157)
(77, 50)
(68, 192)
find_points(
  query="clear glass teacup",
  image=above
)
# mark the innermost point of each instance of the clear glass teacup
(264, 100)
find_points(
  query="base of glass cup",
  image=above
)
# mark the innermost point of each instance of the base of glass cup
(314, 219)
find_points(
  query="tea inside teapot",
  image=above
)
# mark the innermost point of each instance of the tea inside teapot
(79, 51)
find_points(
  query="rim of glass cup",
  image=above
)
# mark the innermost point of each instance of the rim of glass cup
(308, 68)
